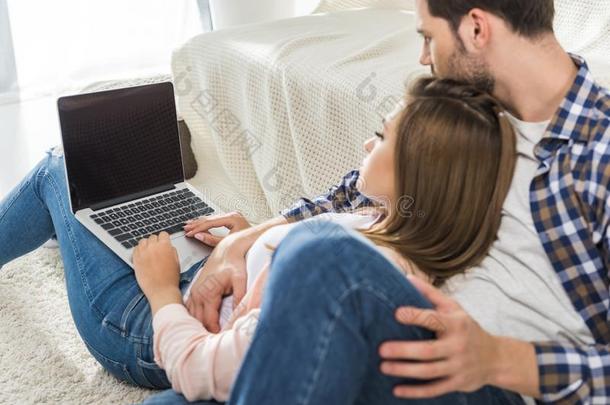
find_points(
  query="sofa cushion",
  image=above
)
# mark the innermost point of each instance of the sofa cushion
(189, 162)
(280, 110)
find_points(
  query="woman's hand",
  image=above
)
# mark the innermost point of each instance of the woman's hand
(199, 228)
(223, 273)
(158, 270)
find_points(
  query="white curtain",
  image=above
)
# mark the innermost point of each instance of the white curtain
(62, 45)
(8, 73)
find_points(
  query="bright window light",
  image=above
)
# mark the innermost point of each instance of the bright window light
(62, 45)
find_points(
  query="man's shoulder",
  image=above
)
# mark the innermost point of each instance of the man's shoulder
(597, 113)
(603, 101)
(597, 149)
(590, 103)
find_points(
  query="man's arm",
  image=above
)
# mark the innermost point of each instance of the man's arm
(574, 374)
(464, 358)
(340, 198)
(225, 270)
(565, 373)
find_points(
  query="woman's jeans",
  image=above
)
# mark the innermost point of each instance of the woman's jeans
(329, 304)
(110, 311)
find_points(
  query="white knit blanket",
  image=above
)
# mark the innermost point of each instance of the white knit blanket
(583, 27)
(280, 110)
(336, 5)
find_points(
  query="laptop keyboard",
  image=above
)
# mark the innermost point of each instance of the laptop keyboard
(164, 213)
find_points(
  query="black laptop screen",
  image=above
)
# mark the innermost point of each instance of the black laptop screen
(119, 143)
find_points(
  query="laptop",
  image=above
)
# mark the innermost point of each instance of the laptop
(124, 169)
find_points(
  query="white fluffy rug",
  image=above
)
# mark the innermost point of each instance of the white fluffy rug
(42, 359)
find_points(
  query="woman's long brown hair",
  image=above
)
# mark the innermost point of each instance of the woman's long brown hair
(455, 157)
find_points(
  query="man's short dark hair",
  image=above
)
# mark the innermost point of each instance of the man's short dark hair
(530, 18)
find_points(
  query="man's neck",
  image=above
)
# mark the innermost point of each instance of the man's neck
(533, 80)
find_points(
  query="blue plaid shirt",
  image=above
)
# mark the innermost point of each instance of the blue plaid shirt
(570, 204)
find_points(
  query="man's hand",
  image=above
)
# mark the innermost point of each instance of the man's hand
(463, 358)
(158, 270)
(199, 228)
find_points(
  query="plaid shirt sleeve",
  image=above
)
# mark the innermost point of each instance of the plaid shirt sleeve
(573, 375)
(570, 204)
(340, 198)
(579, 374)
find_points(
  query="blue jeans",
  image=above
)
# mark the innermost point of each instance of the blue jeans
(328, 305)
(109, 310)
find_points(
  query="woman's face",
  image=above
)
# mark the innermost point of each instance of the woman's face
(376, 179)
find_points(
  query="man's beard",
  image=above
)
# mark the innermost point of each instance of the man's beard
(468, 69)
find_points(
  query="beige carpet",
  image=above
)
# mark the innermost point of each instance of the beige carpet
(42, 358)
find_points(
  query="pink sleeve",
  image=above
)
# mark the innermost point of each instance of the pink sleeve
(200, 365)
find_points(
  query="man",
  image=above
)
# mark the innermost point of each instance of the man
(506, 47)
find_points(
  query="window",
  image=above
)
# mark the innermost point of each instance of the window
(62, 45)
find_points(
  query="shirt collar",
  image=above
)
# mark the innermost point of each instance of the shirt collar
(568, 122)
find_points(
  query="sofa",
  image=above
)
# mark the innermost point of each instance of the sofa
(280, 110)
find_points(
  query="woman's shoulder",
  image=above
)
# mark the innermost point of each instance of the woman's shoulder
(352, 220)
(361, 219)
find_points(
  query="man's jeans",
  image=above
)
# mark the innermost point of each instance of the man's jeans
(328, 305)
(110, 311)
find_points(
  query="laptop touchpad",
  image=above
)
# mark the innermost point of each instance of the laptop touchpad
(190, 251)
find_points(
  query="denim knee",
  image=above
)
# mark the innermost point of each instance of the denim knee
(50, 166)
(324, 257)
(54, 163)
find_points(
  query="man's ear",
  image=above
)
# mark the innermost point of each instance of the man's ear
(475, 30)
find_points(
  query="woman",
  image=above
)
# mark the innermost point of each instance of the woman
(449, 153)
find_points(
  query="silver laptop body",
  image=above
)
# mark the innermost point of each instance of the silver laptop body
(124, 169)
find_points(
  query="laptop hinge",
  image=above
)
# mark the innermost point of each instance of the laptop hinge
(131, 197)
